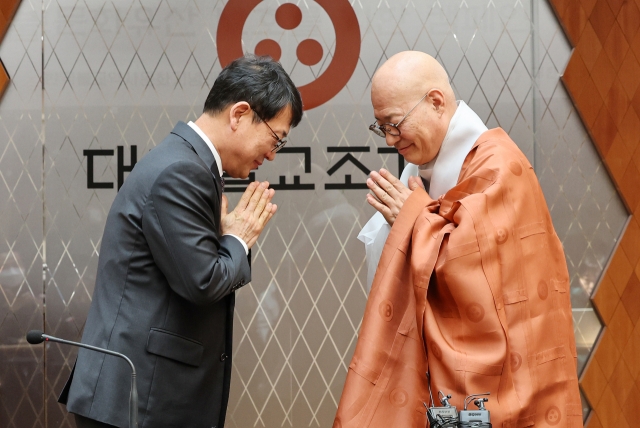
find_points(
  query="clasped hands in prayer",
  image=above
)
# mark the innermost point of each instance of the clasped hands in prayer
(252, 213)
(388, 193)
(255, 209)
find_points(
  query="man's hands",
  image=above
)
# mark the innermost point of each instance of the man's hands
(252, 213)
(388, 193)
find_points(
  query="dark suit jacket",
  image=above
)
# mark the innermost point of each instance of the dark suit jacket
(164, 296)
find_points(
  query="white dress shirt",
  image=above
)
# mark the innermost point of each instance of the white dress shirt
(216, 156)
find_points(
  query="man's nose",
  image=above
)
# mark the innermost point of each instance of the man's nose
(391, 140)
(271, 155)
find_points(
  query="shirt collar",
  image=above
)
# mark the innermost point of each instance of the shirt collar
(206, 139)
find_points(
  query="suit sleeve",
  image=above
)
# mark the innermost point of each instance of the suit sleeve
(181, 225)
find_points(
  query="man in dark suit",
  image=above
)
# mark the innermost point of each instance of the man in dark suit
(172, 257)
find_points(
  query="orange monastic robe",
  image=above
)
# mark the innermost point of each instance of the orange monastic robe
(474, 288)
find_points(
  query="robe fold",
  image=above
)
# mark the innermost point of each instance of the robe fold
(474, 288)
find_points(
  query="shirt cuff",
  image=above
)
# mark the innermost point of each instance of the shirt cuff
(244, 244)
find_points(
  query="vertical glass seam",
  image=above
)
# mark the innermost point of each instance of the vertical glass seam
(534, 77)
(42, 199)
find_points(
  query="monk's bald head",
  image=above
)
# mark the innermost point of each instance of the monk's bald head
(410, 74)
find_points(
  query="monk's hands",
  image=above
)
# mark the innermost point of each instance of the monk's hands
(388, 194)
(251, 214)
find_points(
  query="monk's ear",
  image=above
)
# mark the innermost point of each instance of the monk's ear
(438, 100)
(239, 112)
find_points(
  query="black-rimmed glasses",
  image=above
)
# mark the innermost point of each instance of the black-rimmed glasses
(392, 128)
(280, 141)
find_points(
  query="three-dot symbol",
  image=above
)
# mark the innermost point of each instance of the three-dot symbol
(345, 52)
(288, 17)
(553, 415)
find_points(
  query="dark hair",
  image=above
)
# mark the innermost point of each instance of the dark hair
(260, 81)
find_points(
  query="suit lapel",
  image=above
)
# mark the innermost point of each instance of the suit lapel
(192, 138)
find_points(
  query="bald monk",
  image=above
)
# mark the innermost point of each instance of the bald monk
(471, 282)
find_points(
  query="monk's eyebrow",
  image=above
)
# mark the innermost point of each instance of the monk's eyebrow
(386, 119)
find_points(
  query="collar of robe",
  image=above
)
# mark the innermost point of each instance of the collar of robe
(443, 171)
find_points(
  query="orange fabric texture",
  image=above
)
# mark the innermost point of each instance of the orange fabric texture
(474, 288)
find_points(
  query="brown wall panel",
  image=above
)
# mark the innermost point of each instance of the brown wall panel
(602, 79)
(7, 11)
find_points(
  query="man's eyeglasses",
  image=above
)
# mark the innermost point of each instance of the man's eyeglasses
(393, 128)
(280, 142)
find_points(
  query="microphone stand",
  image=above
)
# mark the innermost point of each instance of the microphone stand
(133, 398)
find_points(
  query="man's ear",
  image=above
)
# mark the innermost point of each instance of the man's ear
(437, 100)
(238, 112)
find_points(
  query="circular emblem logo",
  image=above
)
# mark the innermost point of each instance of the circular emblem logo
(553, 415)
(398, 397)
(385, 309)
(435, 350)
(475, 312)
(516, 361)
(309, 51)
(543, 290)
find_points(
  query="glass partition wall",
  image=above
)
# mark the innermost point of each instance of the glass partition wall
(95, 85)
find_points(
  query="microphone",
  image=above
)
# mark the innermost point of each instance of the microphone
(35, 337)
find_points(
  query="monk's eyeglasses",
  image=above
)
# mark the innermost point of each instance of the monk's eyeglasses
(393, 128)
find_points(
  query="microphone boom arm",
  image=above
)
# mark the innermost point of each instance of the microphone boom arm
(133, 399)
